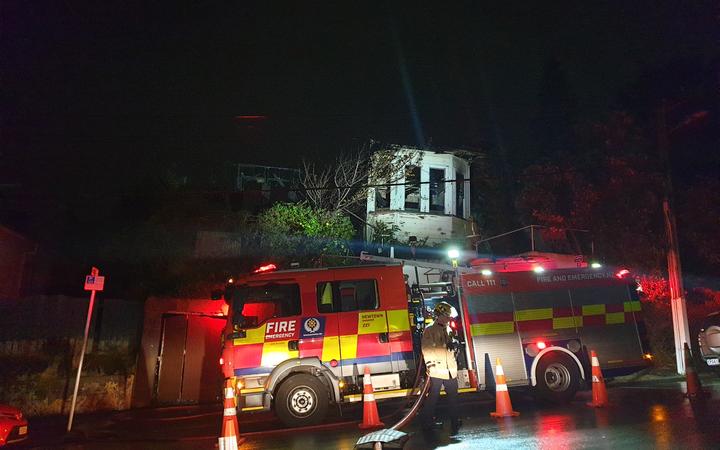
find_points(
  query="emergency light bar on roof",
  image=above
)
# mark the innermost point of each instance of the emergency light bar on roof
(535, 261)
(265, 268)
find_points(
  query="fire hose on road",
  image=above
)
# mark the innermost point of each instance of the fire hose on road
(376, 439)
(415, 407)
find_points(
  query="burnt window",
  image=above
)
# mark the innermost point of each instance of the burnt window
(459, 194)
(437, 190)
(382, 197)
(412, 188)
(349, 295)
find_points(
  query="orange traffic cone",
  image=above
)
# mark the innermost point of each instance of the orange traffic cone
(599, 393)
(692, 381)
(229, 439)
(371, 418)
(503, 407)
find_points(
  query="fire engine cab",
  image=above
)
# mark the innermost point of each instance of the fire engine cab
(298, 340)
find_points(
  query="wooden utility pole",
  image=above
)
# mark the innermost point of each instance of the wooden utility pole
(681, 330)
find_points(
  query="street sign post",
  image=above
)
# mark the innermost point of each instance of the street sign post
(93, 283)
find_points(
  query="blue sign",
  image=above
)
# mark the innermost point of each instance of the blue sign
(312, 327)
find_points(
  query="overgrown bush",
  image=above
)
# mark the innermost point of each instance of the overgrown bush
(657, 312)
(297, 232)
(40, 382)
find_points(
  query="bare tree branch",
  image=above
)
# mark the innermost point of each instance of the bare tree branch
(345, 181)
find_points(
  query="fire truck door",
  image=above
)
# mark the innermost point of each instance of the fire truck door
(363, 328)
(330, 341)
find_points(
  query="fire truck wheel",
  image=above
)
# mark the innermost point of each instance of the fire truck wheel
(558, 378)
(301, 400)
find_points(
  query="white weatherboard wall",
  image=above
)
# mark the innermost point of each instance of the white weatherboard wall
(436, 226)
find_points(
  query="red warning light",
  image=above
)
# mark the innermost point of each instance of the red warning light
(222, 361)
(541, 345)
(452, 324)
(622, 273)
(266, 268)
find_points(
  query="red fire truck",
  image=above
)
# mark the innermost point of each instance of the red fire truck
(298, 340)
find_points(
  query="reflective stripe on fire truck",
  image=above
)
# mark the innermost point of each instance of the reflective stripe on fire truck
(484, 324)
(631, 306)
(533, 314)
(398, 320)
(379, 395)
(256, 355)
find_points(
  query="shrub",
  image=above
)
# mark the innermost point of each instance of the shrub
(657, 312)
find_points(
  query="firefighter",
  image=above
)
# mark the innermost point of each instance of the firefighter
(439, 350)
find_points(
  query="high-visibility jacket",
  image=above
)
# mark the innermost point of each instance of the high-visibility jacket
(439, 360)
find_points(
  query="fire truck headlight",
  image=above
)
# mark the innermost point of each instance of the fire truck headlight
(532, 350)
(574, 346)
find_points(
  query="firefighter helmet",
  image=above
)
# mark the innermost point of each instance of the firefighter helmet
(444, 309)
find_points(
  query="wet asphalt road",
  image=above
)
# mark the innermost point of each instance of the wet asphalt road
(648, 415)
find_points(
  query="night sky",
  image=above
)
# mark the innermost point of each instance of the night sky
(108, 97)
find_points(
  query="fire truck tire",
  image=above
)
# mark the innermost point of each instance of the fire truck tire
(558, 378)
(301, 400)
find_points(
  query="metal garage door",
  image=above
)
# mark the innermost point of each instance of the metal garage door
(188, 369)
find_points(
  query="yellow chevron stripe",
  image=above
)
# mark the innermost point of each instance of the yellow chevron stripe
(483, 329)
(331, 348)
(560, 323)
(372, 322)
(631, 306)
(533, 314)
(348, 346)
(252, 336)
(398, 320)
(592, 310)
(252, 390)
(614, 318)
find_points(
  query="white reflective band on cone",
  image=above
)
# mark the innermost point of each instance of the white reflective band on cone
(227, 443)
(366, 379)
(595, 362)
(229, 412)
(229, 393)
(499, 370)
(369, 397)
(501, 387)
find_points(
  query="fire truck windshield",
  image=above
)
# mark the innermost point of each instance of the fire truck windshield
(253, 305)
